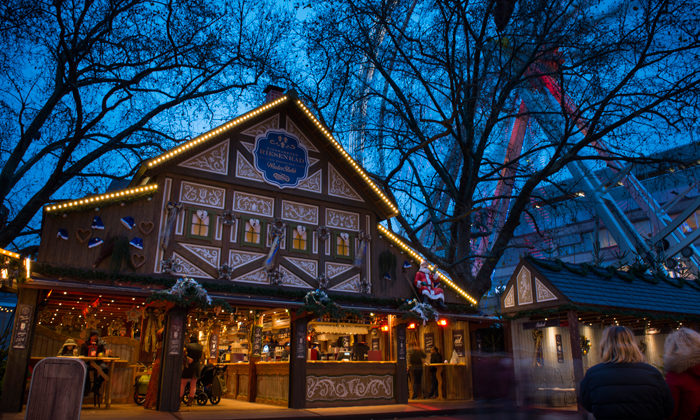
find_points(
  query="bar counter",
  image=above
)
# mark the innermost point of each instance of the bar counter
(335, 383)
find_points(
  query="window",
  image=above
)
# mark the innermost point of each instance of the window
(343, 245)
(299, 238)
(200, 224)
(252, 232)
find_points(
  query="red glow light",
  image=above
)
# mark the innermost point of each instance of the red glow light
(385, 328)
(412, 326)
(442, 322)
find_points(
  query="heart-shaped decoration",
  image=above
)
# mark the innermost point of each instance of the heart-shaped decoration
(137, 260)
(83, 235)
(146, 228)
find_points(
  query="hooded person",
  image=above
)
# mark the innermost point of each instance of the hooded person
(69, 348)
(682, 365)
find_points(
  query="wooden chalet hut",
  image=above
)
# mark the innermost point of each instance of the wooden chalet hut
(559, 310)
(260, 211)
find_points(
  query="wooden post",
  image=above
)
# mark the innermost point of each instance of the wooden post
(297, 362)
(171, 371)
(401, 378)
(20, 348)
(576, 354)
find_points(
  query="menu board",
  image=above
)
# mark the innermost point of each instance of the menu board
(214, 345)
(257, 340)
(175, 343)
(401, 344)
(560, 349)
(429, 341)
(300, 337)
(24, 320)
(458, 342)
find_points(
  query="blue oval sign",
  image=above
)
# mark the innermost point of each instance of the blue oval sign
(280, 157)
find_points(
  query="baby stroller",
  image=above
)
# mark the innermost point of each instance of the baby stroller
(210, 386)
(141, 385)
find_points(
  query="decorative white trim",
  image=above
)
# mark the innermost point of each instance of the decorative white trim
(180, 223)
(240, 258)
(309, 267)
(339, 187)
(311, 183)
(542, 292)
(209, 254)
(313, 161)
(290, 279)
(253, 204)
(342, 219)
(272, 123)
(334, 269)
(248, 146)
(219, 228)
(258, 276)
(350, 285)
(245, 169)
(203, 195)
(167, 185)
(293, 129)
(524, 287)
(186, 267)
(509, 301)
(299, 212)
(234, 231)
(349, 387)
(214, 159)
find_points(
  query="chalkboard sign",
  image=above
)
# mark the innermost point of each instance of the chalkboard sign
(300, 339)
(401, 344)
(175, 339)
(257, 340)
(214, 345)
(560, 349)
(24, 320)
(375, 344)
(458, 342)
(429, 342)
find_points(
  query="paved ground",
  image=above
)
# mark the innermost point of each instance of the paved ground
(233, 410)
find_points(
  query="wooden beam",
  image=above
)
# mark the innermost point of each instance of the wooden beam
(401, 377)
(576, 354)
(297, 362)
(171, 371)
(20, 348)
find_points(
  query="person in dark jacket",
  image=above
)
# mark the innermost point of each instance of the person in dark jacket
(190, 372)
(623, 386)
(415, 363)
(435, 357)
(682, 365)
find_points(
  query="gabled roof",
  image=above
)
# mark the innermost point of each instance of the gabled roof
(587, 285)
(418, 259)
(295, 106)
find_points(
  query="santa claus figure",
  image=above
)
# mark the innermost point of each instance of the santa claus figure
(427, 285)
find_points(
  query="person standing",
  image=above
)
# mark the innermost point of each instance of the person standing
(415, 361)
(193, 354)
(435, 357)
(622, 386)
(94, 347)
(682, 365)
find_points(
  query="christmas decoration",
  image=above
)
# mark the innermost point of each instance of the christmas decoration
(93, 242)
(128, 222)
(136, 242)
(97, 223)
(62, 234)
(418, 310)
(318, 302)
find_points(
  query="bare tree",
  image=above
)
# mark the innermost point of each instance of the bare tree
(89, 89)
(447, 87)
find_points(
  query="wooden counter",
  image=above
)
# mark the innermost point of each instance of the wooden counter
(236, 377)
(272, 382)
(333, 383)
(453, 382)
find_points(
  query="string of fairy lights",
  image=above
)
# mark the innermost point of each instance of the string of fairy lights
(102, 198)
(419, 259)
